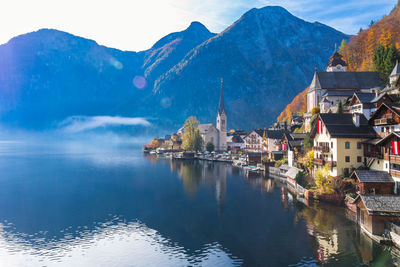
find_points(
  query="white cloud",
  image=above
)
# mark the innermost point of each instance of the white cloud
(76, 124)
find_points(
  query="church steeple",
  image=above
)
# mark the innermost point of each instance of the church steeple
(221, 107)
(336, 62)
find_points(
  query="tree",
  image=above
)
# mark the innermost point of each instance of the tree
(339, 107)
(343, 46)
(301, 179)
(324, 180)
(384, 61)
(308, 142)
(192, 140)
(210, 147)
(315, 110)
(308, 161)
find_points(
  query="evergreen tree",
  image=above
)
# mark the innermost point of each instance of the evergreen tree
(384, 61)
(210, 147)
(340, 107)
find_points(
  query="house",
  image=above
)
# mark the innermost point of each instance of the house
(337, 84)
(272, 141)
(338, 141)
(373, 182)
(367, 103)
(253, 141)
(254, 158)
(235, 142)
(389, 157)
(292, 144)
(374, 211)
(386, 119)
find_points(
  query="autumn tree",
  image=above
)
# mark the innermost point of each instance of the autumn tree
(192, 140)
(324, 181)
(308, 161)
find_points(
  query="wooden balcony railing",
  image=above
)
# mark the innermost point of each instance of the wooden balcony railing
(387, 119)
(322, 162)
(395, 173)
(323, 149)
(395, 159)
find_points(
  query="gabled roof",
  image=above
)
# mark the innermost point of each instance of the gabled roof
(296, 143)
(260, 132)
(341, 125)
(381, 205)
(394, 108)
(372, 176)
(237, 139)
(396, 69)
(364, 97)
(388, 137)
(345, 80)
(275, 134)
(298, 136)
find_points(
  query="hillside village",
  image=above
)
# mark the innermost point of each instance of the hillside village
(344, 149)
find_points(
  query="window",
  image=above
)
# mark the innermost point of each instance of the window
(347, 145)
(331, 144)
(358, 145)
(347, 158)
(382, 129)
(359, 159)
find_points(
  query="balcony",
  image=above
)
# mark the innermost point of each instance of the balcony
(387, 119)
(395, 159)
(322, 162)
(322, 149)
(395, 173)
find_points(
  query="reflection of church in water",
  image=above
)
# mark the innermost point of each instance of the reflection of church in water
(195, 174)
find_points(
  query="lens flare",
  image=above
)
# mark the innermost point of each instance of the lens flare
(166, 102)
(140, 82)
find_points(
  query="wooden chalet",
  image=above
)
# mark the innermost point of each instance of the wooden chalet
(374, 211)
(386, 119)
(373, 182)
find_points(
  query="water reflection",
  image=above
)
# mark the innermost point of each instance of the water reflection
(97, 207)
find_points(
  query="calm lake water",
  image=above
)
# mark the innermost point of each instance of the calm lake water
(80, 205)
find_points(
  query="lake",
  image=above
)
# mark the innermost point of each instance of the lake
(76, 204)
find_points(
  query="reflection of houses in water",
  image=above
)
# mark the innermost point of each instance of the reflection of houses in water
(269, 185)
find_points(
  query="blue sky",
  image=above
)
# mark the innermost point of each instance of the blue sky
(137, 24)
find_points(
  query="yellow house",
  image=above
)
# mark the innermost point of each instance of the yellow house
(338, 141)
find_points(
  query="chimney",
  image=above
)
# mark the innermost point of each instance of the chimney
(376, 93)
(356, 119)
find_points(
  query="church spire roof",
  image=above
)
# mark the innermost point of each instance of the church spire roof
(396, 70)
(336, 59)
(221, 108)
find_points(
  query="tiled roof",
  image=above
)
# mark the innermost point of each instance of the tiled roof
(275, 134)
(345, 80)
(341, 125)
(383, 205)
(372, 176)
(338, 93)
(365, 97)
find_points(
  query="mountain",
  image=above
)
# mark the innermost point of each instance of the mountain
(359, 52)
(264, 58)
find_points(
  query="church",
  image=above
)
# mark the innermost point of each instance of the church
(216, 135)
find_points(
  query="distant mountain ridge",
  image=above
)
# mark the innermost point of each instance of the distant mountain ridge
(265, 58)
